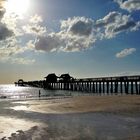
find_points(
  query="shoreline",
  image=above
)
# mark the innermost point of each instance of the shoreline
(93, 117)
(71, 104)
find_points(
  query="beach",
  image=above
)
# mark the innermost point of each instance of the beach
(72, 118)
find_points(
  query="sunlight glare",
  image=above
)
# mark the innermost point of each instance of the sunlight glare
(17, 6)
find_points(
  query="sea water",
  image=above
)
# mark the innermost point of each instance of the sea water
(17, 92)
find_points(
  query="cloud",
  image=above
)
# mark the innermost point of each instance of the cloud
(34, 27)
(64, 41)
(10, 49)
(80, 33)
(22, 61)
(2, 12)
(108, 19)
(17, 60)
(10, 45)
(78, 26)
(75, 35)
(30, 45)
(4, 32)
(11, 21)
(125, 26)
(2, 2)
(7, 52)
(115, 23)
(36, 19)
(125, 52)
(129, 5)
(47, 43)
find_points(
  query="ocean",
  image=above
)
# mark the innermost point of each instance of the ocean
(16, 92)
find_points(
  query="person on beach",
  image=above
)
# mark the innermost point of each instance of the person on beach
(39, 93)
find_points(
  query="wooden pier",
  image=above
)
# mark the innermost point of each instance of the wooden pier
(102, 85)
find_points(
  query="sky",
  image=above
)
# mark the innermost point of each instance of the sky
(85, 38)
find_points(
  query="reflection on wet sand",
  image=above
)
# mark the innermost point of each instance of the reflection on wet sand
(79, 118)
(9, 125)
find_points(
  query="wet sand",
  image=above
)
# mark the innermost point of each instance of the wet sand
(76, 118)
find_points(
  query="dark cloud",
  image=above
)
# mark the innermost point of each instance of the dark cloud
(4, 32)
(47, 43)
(78, 26)
(82, 28)
(125, 26)
(2, 12)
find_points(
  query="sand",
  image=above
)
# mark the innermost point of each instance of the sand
(76, 118)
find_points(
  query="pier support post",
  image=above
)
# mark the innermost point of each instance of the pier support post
(96, 89)
(136, 85)
(132, 88)
(100, 90)
(93, 87)
(126, 84)
(121, 87)
(111, 90)
(103, 87)
(107, 87)
(116, 87)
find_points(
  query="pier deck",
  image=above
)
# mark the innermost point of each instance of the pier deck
(106, 85)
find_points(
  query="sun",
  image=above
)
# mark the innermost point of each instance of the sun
(18, 7)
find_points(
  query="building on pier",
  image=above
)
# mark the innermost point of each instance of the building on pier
(51, 78)
(65, 78)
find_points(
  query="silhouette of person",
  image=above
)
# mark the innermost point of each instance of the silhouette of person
(39, 93)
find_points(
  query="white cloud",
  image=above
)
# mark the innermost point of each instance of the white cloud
(115, 23)
(17, 60)
(75, 34)
(23, 61)
(34, 26)
(11, 21)
(125, 52)
(30, 45)
(129, 5)
(34, 29)
(80, 33)
(36, 19)
(10, 49)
